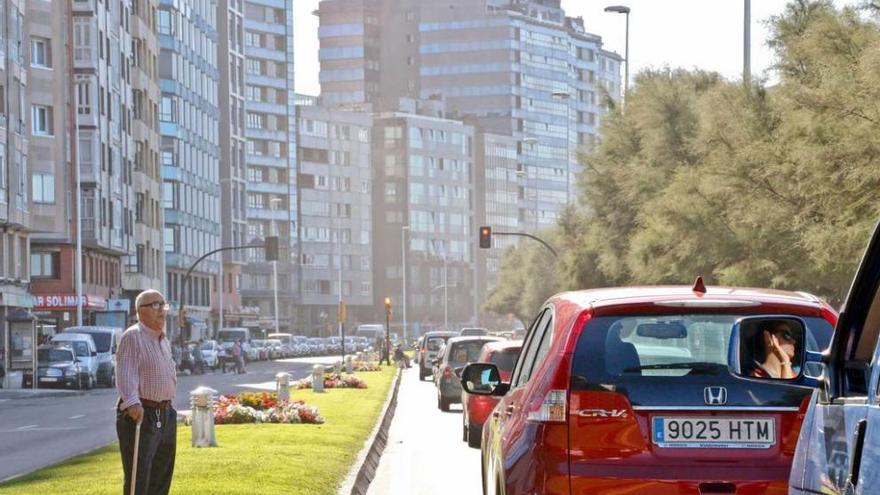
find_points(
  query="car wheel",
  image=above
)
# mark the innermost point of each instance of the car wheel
(442, 403)
(111, 382)
(464, 430)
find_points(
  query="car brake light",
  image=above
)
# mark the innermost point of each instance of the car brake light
(552, 409)
(447, 372)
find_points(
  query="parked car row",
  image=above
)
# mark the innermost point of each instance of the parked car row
(80, 357)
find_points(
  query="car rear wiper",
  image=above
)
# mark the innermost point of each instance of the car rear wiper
(699, 366)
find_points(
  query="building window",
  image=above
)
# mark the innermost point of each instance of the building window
(43, 188)
(45, 265)
(40, 53)
(82, 38)
(170, 239)
(84, 97)
(168, 109)
(41, 120)
(169, 195)
(166, 23)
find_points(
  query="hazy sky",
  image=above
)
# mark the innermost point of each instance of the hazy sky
(705, 34)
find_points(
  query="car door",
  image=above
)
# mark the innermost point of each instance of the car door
(517, 441)
(839, 448)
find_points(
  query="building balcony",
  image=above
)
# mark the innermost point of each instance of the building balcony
(272, 82)
(273, 108)
(276, 4)
(252, 25)
(266, 134)
(266, 161)
(264, 214)
(268, 187)
(265, 53)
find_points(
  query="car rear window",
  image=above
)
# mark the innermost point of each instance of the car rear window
(435, 343)
(102, 340)
(466, 352)
(628, 347)
(505, 360)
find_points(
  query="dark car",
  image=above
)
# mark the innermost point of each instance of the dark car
(57, 367)
(429, 346)
(476, 408)
(839, 447)
(459, 352)
(636, 390)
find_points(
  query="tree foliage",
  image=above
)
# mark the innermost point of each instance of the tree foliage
(766, 186)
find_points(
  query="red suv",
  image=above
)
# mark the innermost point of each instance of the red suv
(476, 408)
(635, 390)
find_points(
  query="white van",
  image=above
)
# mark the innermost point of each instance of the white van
(371, 332)
(229, 336)
(84, 350)
(106, 341)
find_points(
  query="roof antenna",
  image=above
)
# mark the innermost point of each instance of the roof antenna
(699, 286)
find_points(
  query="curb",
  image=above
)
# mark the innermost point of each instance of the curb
(361, 474)
(12, 394)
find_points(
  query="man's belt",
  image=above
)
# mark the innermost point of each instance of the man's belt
(161, 405)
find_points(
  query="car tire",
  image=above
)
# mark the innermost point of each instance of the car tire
(111, 382)
(422, 375)
(474, 437)
(464, 430)
(442, 403)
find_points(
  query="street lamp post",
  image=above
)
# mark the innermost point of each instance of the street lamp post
(747, 42)
(275, 268)
(403, 231)
(622, 9)
(387, 349)
(445, 292)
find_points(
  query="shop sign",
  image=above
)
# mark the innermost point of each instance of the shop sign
(48, 302)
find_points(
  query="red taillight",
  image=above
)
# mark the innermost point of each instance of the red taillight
(790, 437)
(447, 372)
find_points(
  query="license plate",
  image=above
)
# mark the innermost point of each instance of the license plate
(714, 433)
(48, 379)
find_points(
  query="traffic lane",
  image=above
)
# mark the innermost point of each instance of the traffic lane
(425, 454)
(46, 431)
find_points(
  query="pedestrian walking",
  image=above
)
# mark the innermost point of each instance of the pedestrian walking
(221, 358)
(238, 356)
(147, 383)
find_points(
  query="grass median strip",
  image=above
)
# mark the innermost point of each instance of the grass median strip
(257, 458)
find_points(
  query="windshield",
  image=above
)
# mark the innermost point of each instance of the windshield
(102, 340)
(435, 343)
(54, 355)
(230, 335)
(666, 346)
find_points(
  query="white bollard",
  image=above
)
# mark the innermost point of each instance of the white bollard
(202, 401)
(282, 386)
(318, 378)
(349, 364)
(337, 367)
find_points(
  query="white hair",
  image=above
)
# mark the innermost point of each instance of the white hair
(143, 295)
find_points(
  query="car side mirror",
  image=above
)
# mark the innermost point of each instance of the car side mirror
(458, 371)
(94, 353)
(772, 348)
(483, 379)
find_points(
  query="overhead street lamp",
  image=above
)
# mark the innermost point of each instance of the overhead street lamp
(622, 9)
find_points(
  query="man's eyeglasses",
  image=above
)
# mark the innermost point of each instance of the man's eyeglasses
(156, 305)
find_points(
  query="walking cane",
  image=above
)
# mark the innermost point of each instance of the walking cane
(134, 462)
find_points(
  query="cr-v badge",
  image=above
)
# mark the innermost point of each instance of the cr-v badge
(602, 413)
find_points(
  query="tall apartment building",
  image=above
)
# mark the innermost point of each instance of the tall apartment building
(270, 160)
(335, 218)
(93, 103)
(233, 178)
(190, 153)
(15, 135)
(521, 67)
(424, 179)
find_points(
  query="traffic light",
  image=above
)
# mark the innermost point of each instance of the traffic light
(388, 306)
(272, 248)
(485, 237)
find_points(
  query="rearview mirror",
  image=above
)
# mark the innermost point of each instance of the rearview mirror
(483, 379)
(769, 348)
(670, 330)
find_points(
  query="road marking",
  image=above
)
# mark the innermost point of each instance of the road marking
(28, 427)
(33, 428)
(78, 416)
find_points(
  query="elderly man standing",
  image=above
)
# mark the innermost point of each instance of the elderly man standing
(147, 383)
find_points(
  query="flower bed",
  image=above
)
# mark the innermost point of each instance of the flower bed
(366, 366)
(333, 380)
(261, 408)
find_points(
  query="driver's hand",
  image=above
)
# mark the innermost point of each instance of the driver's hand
(771, 343)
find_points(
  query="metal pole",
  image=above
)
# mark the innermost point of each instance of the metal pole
(34, 354)
(403, 265)
(747, 48)
(445, 293)
(626, 55)
(275, 286)
(78, 194)
(222, 280)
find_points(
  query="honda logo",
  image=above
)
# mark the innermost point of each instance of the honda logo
(715, 396)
